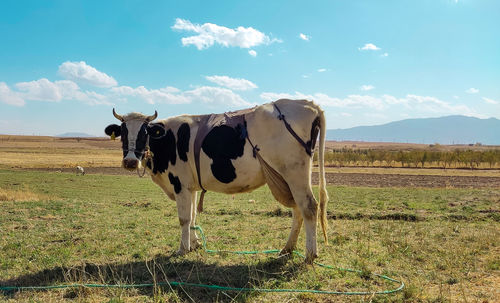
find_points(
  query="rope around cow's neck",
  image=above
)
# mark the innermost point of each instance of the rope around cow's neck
(227, 288)
(143, 171)
(148, 156)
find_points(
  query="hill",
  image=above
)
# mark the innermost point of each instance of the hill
(443, 130)
(75, 135)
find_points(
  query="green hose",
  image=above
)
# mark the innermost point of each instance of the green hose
(226, 288)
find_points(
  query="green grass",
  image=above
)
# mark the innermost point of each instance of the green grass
(121, 229)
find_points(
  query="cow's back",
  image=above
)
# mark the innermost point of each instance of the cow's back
(277, 145)
(226, 158)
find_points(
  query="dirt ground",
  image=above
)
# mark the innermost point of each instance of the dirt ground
(398, 180)
(356, 179)
(98, 154)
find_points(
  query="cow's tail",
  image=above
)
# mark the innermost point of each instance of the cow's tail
(323, 194)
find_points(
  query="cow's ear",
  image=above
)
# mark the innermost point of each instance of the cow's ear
(113, 130)
(156, 130)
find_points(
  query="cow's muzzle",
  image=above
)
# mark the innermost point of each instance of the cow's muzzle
(130, 164)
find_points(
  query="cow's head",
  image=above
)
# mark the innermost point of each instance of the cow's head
(134, 131)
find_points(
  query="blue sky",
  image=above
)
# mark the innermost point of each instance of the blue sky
(65, 64)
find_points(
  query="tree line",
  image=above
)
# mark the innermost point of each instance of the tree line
(458, 158)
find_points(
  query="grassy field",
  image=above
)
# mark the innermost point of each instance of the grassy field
(51, 152)
(59, 228)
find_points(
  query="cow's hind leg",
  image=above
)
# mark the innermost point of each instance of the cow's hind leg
(294, 232)
(184, 211)
(308, 207)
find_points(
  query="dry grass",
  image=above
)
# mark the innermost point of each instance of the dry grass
(50, 152)
(59, 159)
(440, 241)
(121, 229)
(21, 195)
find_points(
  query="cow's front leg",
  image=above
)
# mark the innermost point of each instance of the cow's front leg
(195, 241)
(184, 211)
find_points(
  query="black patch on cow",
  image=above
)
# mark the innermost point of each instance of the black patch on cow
(156, 130)
(124, 134)
(163, 150)
(113, 128)
(223, 144)
(314, 134)
(183, 136)
(175, 182)
(140, 142)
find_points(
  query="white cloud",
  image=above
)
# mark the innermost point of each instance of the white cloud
(490, 101)
(363, 101)
(172, 95)
(435, 105)
(208, 34)
(9, 97)
(370, 46)
(346, 115)
(366, 87)
(321, 70)
(167, 95)
(391, 100)
(472, 90)
(45, 90)
(83, 73)
(325, 100)
(384, 55)
(92, 98)
(375, 115)
(414, 103)
(268, 96)
(232, 83)
(216, 95)
(252, 53)
(304, 37)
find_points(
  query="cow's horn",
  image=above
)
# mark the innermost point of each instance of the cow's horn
(151, 118)
(117, 116)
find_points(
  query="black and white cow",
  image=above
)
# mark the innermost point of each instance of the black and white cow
(186, 154)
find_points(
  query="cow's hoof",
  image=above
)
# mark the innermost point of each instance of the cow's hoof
(286, 252)
(196, 245)
(310, 258)
(182, 252)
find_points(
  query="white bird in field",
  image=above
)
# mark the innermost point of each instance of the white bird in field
(80, 170)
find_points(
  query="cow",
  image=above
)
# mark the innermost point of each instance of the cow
(232, 153)
(80, 170)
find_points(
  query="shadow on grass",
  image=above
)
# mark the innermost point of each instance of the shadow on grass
(270, 272)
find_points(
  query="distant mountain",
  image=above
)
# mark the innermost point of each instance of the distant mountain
(443, 130)
(75, 135)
